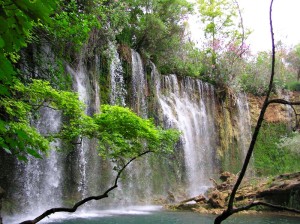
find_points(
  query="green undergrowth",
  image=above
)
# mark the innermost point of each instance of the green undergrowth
(270, 157)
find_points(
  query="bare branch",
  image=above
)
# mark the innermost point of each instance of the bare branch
(282, 101)
(85, 200)
(229, 211)
(292, 104)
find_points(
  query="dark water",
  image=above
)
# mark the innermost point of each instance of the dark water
(154, 216)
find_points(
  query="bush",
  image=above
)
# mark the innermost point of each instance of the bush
(293, 86)
(270, 156)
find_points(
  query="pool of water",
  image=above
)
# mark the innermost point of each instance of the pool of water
(155, 215)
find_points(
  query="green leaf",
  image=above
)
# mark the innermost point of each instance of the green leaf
(34, 153)
(22, 158)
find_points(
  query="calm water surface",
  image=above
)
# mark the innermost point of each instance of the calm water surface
(154, 215)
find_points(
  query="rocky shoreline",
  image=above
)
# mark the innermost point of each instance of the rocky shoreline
(281, 190)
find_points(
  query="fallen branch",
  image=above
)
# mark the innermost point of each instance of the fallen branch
(85, 200)
(195, 199)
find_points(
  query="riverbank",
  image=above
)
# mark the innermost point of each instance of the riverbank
(281, 190)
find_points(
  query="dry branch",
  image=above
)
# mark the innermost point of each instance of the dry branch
(85, 200)
(230, 209)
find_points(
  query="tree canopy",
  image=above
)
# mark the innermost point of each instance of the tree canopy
(70, 23)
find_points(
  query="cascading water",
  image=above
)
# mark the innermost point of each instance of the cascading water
(117, 86)
(185, 106)
(80, 85)
(88, 161)
(96, 86)
(139, 86)
(42, 179)
(140, 170)
(244, 123)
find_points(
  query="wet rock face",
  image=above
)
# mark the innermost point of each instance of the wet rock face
(284, 189)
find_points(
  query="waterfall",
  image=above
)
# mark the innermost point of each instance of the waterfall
(244, 123)
(117, 86)
(88, 161)
(96, 85)
(184, 103)
(41, 180)
(139, 171)
(80, 85)
(189, 105)
(139, 86)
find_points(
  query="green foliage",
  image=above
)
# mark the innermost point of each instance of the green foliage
(223, 45)
(271, 155)
(257, 71)
(217, 17)
(76, 22)
(187, 62)
(293, 86)
(293, 60)
(71, 25)
(122, 133)
(251, 83)
(18, 136)
(156, 29)
(17, 18)
(291, 142)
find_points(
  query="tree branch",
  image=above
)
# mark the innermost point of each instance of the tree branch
(229, 211)
(292, 104)
(85, 200)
